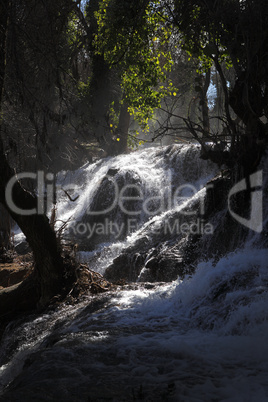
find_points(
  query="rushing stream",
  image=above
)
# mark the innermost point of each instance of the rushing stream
(200, 337)
(154, 174)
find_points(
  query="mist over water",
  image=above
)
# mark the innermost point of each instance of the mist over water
(200, 338)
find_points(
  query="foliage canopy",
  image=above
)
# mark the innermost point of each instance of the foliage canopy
(135, 36)
(140, 36)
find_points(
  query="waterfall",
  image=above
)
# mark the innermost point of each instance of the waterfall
(201, 336)
(103, 221)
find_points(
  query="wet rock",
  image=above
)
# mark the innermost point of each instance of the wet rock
(163, 263)
(106, 220)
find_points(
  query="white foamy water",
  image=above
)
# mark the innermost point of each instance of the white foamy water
(203, 338)
(154, 166)
(159, 172)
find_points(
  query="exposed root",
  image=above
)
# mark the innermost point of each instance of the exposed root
(87, 282)
(78, 280)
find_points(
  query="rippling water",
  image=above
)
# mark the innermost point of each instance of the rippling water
(203, 338)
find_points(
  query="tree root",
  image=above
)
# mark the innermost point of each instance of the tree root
(88, 282)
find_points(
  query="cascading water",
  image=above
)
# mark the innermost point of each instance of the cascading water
(125, 200)
(200, 338)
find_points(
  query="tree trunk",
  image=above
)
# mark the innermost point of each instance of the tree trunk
(40, 236)
(122, 130)
(204, 105)
(5, 226)
(251, 144)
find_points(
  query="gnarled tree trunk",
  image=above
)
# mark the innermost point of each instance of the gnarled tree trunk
(40, 236)
(47, 279)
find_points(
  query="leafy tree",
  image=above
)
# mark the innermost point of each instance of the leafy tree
(48, 276)
(135, 37)
(234, 33)
(102, 114)
(227, 34)
(41, 104)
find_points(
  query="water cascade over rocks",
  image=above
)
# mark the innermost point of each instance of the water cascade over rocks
(192, 325)
(135, 210)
